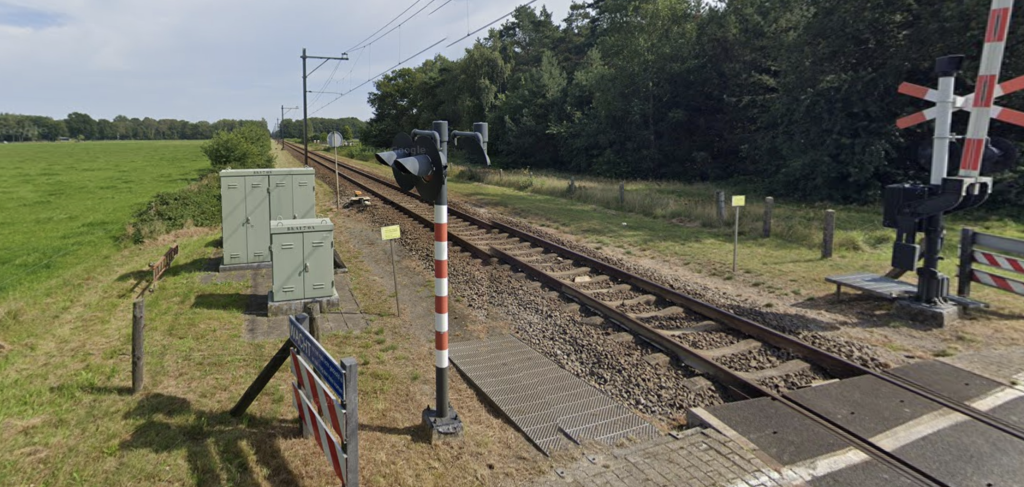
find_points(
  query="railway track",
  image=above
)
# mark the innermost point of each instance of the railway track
(750, 360)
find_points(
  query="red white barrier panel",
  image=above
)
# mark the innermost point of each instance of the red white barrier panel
(330, 446)
(314, 401)
(1000, 261)
(1004, 283)
(317, 392)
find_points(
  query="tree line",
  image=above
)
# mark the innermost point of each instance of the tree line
(792, 97)
(350, 127)
(28, 128)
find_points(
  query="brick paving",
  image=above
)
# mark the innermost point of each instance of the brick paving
(1006, 366)
(699, 457)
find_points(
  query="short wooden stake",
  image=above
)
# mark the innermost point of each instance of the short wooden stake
(138, 352)
(829, 234)
(622, 194)
(313, 310)
(769, 204)
(720, 206)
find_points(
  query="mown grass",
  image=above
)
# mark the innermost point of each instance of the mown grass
(65, 205)
(67, 416)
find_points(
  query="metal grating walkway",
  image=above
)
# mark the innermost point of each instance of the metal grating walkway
(544, 401)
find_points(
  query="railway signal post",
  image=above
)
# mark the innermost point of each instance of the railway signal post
(914, 208)
(422, 164)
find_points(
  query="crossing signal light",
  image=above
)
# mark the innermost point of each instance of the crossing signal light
(416, 164)
(477, 147)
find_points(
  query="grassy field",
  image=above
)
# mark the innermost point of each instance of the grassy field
(67, 416)
(65, 204)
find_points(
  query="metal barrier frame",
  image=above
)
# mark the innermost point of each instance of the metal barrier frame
(969, 255)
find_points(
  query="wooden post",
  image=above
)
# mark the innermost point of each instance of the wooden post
(829, 234)
(313, 310)
(501, 174)
(261, 381)
(769, 204)
(138, 352)
(720, 206)
(622, 194)
(572, 186)
(966, 263)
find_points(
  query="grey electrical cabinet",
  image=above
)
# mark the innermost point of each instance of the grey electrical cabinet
(252, 198)
(303, 259)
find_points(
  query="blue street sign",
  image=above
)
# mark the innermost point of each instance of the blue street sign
(325, 365)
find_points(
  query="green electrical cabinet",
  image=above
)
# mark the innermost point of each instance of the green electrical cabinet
(252, 198)
(303, 259)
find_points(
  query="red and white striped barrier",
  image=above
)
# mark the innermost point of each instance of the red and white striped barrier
(312, 422)
(971, 255)
(986, 86)
(1004, 283)
(316, 391)
(1000, 261)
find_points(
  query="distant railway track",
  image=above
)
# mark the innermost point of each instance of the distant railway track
(749, 359)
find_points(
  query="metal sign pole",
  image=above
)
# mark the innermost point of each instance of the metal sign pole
(736, 240)
(441, 300)
(337, 186)
(394, 273)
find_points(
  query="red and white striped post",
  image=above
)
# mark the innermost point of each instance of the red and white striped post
(986, 87)
(441, 300)
(445, 420)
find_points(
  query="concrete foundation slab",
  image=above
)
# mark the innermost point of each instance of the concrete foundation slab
(931, 315)
(245, 267)
(294, 307)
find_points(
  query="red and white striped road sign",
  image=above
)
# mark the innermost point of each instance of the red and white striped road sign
(1004, 283)
(441, 286)
(317, 392)
(986, 86)
(330, 446)
(960, 103)
(998, 260)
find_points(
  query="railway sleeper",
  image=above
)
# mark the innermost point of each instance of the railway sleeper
(645, 299)
(579, 271)
(617, 287)
(702, 327)
(739, 347)
(669, 311)
(795, 366)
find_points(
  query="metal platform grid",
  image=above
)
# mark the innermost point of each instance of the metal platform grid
(548, 404)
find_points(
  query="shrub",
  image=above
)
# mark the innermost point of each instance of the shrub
(198, 204)
(245, 148)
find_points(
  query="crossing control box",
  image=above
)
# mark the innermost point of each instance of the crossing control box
(252, 198)
(303, 259)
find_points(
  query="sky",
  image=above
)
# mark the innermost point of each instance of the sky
(207, 60)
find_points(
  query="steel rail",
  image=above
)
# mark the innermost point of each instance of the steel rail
(731, 379)
(835, 365)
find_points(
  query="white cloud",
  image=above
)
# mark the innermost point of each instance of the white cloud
(205, 60)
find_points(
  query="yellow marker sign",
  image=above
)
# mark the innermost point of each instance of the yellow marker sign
(389, 233)
(739, 201)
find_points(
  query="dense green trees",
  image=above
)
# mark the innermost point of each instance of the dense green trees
(797, 97)
(292, 129)
(23, 128)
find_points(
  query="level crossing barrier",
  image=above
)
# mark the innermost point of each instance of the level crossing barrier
(989, 255)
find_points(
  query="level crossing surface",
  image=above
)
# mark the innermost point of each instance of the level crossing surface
(951, 448)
